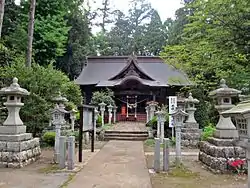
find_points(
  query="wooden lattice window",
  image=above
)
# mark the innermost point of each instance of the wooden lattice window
(242, 127)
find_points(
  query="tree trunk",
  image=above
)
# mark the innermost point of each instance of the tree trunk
(2, 3)
(30, 32)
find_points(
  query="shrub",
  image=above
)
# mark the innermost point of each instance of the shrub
(49, 138)
(99, 121)
(43, 83)
(105, 96)
(208, 131)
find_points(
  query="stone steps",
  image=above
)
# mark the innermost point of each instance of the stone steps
(125, 135)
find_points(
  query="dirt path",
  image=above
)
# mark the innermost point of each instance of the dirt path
(120, 164)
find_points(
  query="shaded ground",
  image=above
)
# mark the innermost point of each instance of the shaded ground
(193, 175)
(41, 174)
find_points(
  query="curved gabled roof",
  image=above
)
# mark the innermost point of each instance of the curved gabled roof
(100, 70)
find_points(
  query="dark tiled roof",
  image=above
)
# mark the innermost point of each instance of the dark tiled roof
(99, 70)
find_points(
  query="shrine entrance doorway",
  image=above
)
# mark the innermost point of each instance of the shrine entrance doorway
(131, 98)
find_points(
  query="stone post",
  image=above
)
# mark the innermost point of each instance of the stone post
(147, 113)
(114, 110)
(178, 144)
(73, 118)
(178, 116)
(15, 144)
(62, 152)
(96, 118)
(166, 144)
(102, 110)
(163, 120)
(157, 155)
(110, 109)
(71, 153)
(57, 142)
(158, 124)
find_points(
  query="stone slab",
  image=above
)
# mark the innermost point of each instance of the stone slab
(15, 138)
(222, 142)
(12, 130)
(226, 133)
(191, 130)
(190, 136)
(221, 151)
(190, 143)
(191, 125)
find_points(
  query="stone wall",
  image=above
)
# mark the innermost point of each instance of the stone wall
(190, 135)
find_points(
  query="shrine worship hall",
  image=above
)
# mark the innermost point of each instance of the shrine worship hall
(135, 81)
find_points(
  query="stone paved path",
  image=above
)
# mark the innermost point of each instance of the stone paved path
(119, 164)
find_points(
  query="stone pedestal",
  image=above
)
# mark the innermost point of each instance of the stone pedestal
(215, 153)
(190, 134)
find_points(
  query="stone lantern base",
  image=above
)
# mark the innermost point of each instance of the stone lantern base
(19, 150)
(190, 135)
(215, 153)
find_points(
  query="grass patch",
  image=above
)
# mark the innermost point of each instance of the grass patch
(182, 172)
(49, 169)
(107, 127)
(66, 183)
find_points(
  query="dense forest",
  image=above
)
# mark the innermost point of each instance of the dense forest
(208, 39)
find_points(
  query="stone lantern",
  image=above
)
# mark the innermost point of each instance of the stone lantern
(110, 109)
(181, 100)
(73, 118)
(60, 100)
(216, 150)
(241, 114)
(225, 127)
(96, 118)
(57, 120)
(147, 113)
(160, 124)
(190, 102)
(152, 108)
(14, 141)
(178, 116)
(114, 110)
(190, 131)
(102, 110)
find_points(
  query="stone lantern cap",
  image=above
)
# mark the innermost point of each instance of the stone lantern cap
(152, 103)
(102, 104)
(60, 98)
(178, 112)
(224, 90)
(14, 89)
(58, 109)
(110, 106)
(73, 111)
(191, 100)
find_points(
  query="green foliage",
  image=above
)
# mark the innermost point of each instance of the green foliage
(208, 132)
(99, 121)
(105, 96)
(43, 84)
(49, 138)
